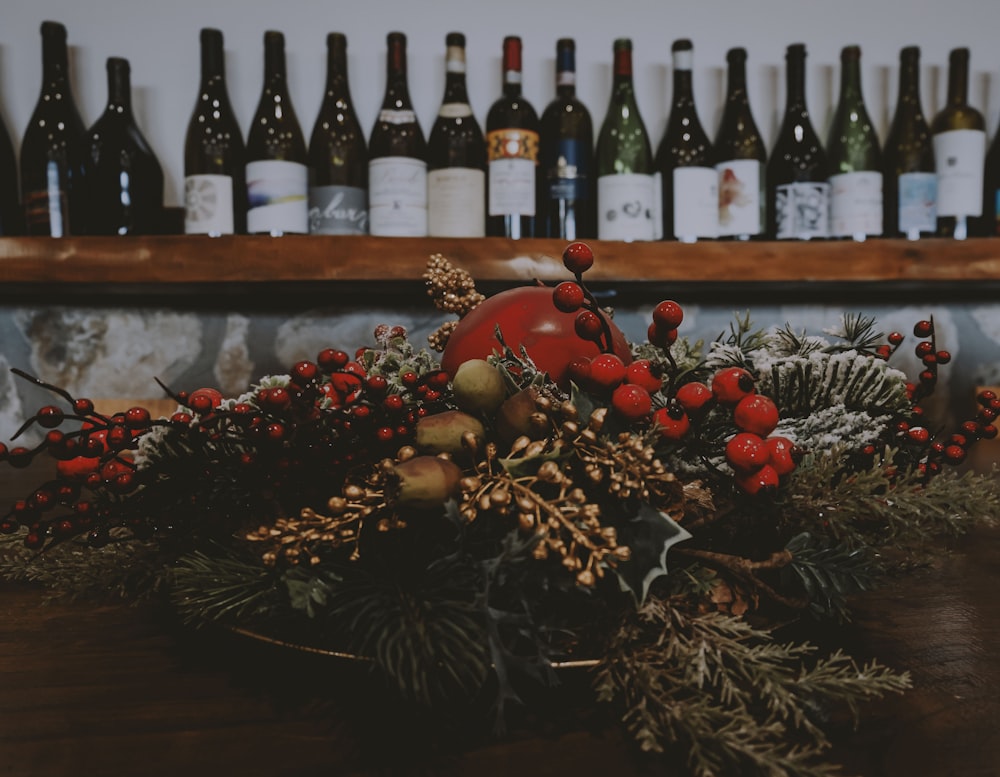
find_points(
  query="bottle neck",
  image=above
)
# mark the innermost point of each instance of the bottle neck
(512, 67)
(55, 59)
(850, 80)
(213, 60)
(909, 78)
(683, 92)
(565, 71)
(958, 80)
(274, 61)
(397, 93)
(119, 87)
(736, 82)
(623, 70)
(455, 90)
(795, 85)
(336, 71)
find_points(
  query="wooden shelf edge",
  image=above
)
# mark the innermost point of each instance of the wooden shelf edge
(298, 258)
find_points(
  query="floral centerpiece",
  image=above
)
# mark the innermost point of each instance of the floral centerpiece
(546, 493)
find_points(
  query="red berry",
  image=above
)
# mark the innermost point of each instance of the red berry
(923, 348)
(919, 435)
(756, 413)
(746, 452)
(397, 331)
(410, 379)
(985, 396)
(782, 454)
(277, 398)
(661, 336)
(607, 370)
(83, 406)
(923, 329)
(137, 418)
(943, 357)
(671, 427)
(668, 314)
(376, 384)
(883, 352)
(588, 326)
(578, 370)
(731, 384)
(640, 372)
(384, 433)
(988, 431)
(49, 417)
(568, 297)
(694, 396)
(631, 401)
(578, 258)
(955, 454)
(895, 338)
(305, 372)
(393, 403)
(330, 359)
(204, 399)
(759, 481)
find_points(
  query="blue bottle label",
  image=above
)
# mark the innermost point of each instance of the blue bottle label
(917, 203)
(567, 179)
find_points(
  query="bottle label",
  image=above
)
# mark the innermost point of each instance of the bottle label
(45, 210)
(455, 202)
(741, 197)
(567, 180)
(277, 197)
(513, 159)
(397, 117)
(455, 110)
(696, 203)
(961, 158)
(566, 78)
(338, 210)
(802, 210)
(627, 207)
(397, 196)
(208, 205)
(856, 204)
(917, 204)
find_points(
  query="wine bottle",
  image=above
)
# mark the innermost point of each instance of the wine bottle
(628, 195)
(798, 193)
(991, 190)
(908, 160)
(854, 157)
(959, 133)
(397, 156)
(690, 183)
(125, 180)
(214, 153)
(277, 172)
(338, 156)
(512, 151)
(741, 156)
(10, 207)
(456, 156)
(54, 149)
(567, 201)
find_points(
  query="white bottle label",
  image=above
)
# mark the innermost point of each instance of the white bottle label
(513, 165)
(396, 117)
(397, 196)
(960, 156)
(338, 210)
(208, 205)
(696, 203)
(802, 210)
(456, 199)
(741, 197)
(277, 197)
(856, 204)
(917, 204)
(454, 110)
(627, 207)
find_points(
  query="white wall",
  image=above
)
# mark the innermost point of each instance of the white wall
(161, 41)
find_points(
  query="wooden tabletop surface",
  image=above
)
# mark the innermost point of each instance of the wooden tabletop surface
(122, 690)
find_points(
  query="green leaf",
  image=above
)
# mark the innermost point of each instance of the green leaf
(521, 466)
(306, 593)
(649, 536)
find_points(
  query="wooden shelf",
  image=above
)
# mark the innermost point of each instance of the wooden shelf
(170, 260)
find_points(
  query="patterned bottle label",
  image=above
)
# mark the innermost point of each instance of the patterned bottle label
(567, 178)
(856, 204)
(627, 207)
(802, 210)
(338, 210)
(696, 203)
(960, 156)
(455, 202)
(397, 196)
(917, 204)
(741, 197)
(208, 205)
(513, 163)
(277, 197)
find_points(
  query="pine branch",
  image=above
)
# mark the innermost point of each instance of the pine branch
(828, 573)
(223, 586)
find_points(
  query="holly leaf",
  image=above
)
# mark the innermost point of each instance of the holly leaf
(649, 535)
(306, 593)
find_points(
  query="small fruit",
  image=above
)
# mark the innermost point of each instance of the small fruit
(631, 401)
(731, 384)
(445, 432)
(746, 452)
(923, 329)
(426, 482)
(607, 371)
(568, 297)
(478, 387)
(641, 373)
(782, 454)
(763, 480)
(578, 258)
(672, 425)
(668, 314)
(756, 413)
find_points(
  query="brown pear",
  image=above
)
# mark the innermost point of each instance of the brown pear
(426, 482)
(444, 432)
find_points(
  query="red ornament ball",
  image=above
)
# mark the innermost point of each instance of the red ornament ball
(578, 258)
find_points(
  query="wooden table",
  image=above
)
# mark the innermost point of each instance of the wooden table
(120, 690)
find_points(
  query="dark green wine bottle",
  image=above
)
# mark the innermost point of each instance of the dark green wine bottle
(740, 156)
(10, 206)
(909, 180)
(960, 151)
(855, 158)
(798, 194)
(628, 196)
(684, 161)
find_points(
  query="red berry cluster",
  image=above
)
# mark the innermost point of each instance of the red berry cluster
(929, 451)
(574, 297)
(758, 459)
